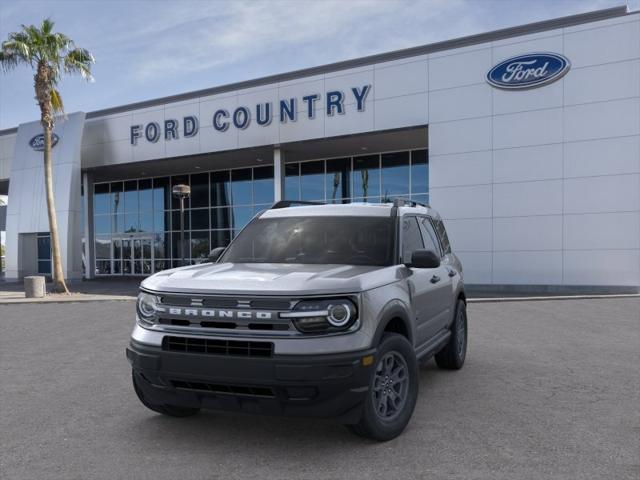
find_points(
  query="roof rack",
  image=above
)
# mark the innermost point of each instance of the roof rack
(293, 203)
(404, 202)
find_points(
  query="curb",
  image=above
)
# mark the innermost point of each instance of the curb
(105, 298)
(548, 298)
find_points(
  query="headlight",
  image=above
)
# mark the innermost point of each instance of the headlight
(323, 316)
(146, 307)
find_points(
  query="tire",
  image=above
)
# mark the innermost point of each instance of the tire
(394, 351)
(452, 356)
(169, 410)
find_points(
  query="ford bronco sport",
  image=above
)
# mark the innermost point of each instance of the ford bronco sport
(313, 310)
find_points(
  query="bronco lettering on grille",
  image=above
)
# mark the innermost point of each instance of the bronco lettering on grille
(215, 313)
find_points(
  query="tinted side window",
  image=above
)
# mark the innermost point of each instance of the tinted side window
(411, 238)
(430, 239)
(442, 233)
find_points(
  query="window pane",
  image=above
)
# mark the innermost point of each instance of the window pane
(175, 245)
(220, 218)
(312, 180)
(220, 189)
(411, 238)
(101, 198)
(241, 187)
(103, 247)
(161, 221)
(241, 216)
(117, 223)
(200, 219)
(44, 247)
(200, 190)
(145, 195)
(117, 198)
(263, 185)
(162, 265)
(146, 221)
(444, 238)
(131, 203)
(103, 267)
(161, 194)
(179, 180)
(200, 245)
(101, 224)
(338, 180)
(292, 181)
(44, 266)
(117, 267)
(395, 174)
(220, 238)
(117, 250)
(419, 172)
(175, 220)
(131, 223)
(429, 236)
(366, 177)
(161, 245)
(421, 198)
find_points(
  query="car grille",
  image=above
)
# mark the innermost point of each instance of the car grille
(217, 346)
(227, 302)
(256, 391)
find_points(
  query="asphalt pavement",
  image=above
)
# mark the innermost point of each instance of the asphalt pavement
(550, 390)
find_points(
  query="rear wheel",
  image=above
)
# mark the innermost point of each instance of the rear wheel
(393, 391)
(170, 410)
(452, 356)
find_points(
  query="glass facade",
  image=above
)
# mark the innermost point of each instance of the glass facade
(137, 222)
(365, 178)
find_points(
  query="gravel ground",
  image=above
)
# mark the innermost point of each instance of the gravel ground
(551, 389)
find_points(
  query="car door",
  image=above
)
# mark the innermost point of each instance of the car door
(444, 303)
(422, 283)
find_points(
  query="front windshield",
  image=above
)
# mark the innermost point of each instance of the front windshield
(332, 240)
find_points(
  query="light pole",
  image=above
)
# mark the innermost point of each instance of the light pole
(182, 192)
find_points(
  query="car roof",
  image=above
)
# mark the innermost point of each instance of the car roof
(347, 210)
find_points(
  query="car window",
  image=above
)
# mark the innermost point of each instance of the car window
(429, 235)
(442, 234)
(411, 238)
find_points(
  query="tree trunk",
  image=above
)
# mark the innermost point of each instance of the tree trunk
(59, 284)
(43, 94)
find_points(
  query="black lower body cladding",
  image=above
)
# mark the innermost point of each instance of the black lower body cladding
(326, 386)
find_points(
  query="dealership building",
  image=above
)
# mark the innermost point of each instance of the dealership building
(526, 140)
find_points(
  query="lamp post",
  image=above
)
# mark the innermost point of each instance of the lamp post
(182, 192)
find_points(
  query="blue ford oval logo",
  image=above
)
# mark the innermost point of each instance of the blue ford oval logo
(37, 142)
(528, 71)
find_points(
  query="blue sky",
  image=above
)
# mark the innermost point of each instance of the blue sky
(152, 48)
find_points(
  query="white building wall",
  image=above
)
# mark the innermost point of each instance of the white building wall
(542, 186)
(7, 146)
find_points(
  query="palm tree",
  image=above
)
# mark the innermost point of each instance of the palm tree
(50, 55)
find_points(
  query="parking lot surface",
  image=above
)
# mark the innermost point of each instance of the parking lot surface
(550, 389)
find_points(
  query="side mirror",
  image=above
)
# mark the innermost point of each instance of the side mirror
(424, 259)
(214, 254)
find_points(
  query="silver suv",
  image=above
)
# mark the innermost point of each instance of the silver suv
(313, 310)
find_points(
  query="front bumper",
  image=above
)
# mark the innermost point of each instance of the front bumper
(318, 385)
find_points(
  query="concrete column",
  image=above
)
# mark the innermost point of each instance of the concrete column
(278, 174)
(87, 204)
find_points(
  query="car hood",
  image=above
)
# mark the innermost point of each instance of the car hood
(270, 279)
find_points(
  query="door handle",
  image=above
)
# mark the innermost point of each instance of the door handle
(435, 279)
(452, 272)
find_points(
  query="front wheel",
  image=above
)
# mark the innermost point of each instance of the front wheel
(393, 391)
(169, 410)
(452, 356)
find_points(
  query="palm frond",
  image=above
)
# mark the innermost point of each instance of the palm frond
(79, 60)
(56, 101)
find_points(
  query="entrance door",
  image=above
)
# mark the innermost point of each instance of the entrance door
(135, 255)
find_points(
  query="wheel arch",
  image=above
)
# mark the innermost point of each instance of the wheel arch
(394, 318)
